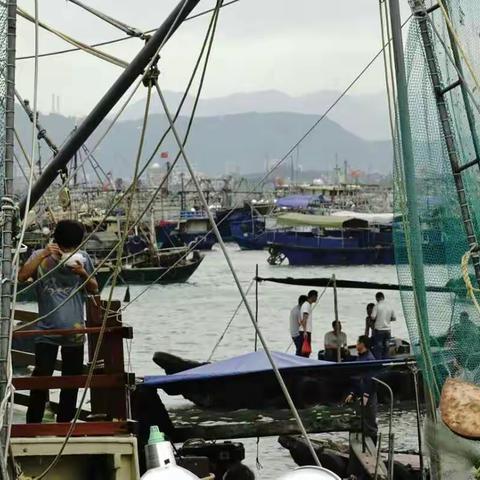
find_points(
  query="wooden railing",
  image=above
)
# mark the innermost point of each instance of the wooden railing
(110, 384)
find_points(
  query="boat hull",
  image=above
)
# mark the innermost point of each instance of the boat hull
(308, 386)
(148, 275)
(336, 457)
(301, 255)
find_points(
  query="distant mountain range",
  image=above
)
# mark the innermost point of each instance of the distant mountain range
(245, 143)
(363, 115)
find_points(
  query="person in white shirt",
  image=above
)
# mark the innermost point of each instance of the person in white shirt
(382, 315)
(335, 340)
(306, 321)
(295, 318)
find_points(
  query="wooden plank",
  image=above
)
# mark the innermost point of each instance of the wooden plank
(210, 425)
(368, 458)
(80, 429)
(114, 403)
(217, 425)
(73, 381)
(126, 332)
(25, 316)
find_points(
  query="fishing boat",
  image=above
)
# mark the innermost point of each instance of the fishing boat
(332, 240)
(172, 265)
(246, 381)
(337, 457)
(255, 230)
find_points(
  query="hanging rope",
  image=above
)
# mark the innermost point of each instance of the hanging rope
(278, 376)
(466, 277)
(117, 271)
(80, 45)
(229, 323)
(454, 34)
(128, 190)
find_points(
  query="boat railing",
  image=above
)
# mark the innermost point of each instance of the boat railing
(110, 384)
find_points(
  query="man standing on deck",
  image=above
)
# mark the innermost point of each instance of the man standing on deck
(382, 315)
(61, 302)
(365, 389)
(306, 321)
(295, 317)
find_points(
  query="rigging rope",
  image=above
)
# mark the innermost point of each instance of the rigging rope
(116, 40)
(24, 326)
(9, 393)
(278, 375)
(109, 302)
(466, 277)
(210, 29)
(229, 323)
(271, 170)
(131, 31)
(454, 33)
(80, 45)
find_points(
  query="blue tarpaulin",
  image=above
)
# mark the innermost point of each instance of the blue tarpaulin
(254, 362)
(299, 201)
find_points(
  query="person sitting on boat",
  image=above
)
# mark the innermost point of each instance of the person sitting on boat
(335, 342)
(364, 389)
(62, 274)
(369, 321)
(295, 318)
(306, 321)
(239, 472)
(382, 314)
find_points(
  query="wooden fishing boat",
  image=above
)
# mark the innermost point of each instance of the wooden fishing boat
(174, 265)
(247, 381)
(337, 457)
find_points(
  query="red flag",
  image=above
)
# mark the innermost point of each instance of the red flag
(164, 155)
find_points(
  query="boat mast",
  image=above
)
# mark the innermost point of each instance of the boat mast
(134, 69)
(7, 203)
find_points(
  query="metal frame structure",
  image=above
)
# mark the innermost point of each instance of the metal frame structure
(420, 13)
(109, 100)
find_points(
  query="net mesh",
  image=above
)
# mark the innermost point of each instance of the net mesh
(448, 319)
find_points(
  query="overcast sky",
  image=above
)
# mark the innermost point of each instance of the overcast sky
(296, 46)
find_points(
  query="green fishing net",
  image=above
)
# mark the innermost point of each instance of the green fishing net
(438, 310)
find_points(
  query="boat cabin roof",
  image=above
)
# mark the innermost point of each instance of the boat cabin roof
(322, 221)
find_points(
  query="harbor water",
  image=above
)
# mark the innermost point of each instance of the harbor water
(188, 319)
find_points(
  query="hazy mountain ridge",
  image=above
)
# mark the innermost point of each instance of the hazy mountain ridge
(245, 143)
(363, 115)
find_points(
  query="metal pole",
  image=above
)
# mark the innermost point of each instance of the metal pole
(42, 133)
(275, 369)
(412, 214)
(7, 207)
(391, 437)
(109, 100)
(415, 371)
(256, 305)
(335, 309)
